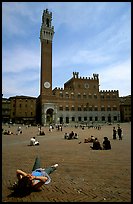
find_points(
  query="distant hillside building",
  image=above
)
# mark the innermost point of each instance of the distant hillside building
(80, 101)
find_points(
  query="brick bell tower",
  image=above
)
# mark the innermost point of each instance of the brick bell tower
(45, 104)
(46, 36)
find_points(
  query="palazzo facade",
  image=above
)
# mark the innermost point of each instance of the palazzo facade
(80, 101)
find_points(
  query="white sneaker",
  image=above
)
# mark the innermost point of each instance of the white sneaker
(55, 165)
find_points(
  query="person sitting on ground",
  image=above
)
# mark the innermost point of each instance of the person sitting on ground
(96, 145)
(71, 135)
(90, 139)
(75, 136)
(66, 135)
(33, 141)
(35, 179)
(106, 143)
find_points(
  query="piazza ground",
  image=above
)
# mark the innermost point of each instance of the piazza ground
(83, 175)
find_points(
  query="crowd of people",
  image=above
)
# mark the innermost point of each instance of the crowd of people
(71, 135)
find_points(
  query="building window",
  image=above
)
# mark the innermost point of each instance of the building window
(67, 95)
(61, 108)
(102, 96)
(108, 108)
(20, 105)
(72, 108)
(67, 108)
(79, 118)
(108, 96)
(90, 118)
(114, 96)
(90, 108)
(115, 118)
(85, 118)
(85, 108)
(114, 108)
(102, 108)
(96, 118)
(95, 108)
(90, 96)
(73, 119)
(79, 108)
(103, 118)
(95, 96)
(67, 119)
(72, 95)
(84, 96)
(61, 95)
(79, 95)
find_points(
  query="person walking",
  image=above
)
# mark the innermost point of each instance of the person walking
(114, 133)
(119, 131)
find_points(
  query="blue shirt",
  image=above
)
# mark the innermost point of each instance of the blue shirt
(41, 172)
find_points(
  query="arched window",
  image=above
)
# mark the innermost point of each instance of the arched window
(47, 22)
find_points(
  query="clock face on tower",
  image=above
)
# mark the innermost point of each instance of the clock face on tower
(46, 84)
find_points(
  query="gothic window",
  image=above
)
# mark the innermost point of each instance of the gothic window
(90, 96)
(114, 108)
(61, 95)
(108, 96)
(67, 95)
(72, 95)
(102, 96)
(79, 108)
(90, 108)
(114, 96)
(47, 22)
(95, 96)
(102, 108)
(84, 96)
(72, 108)
(79, 95)
(85, 108)
(95, 108)
(67, 108)
(61, 108)
(108, 108)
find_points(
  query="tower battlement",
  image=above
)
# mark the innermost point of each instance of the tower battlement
(109, 91)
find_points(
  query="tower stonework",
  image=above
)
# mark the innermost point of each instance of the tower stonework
(46, 36)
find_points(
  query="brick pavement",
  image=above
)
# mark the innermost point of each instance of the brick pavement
(83, 175)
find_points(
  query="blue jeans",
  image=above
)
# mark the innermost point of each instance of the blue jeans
(37, 165)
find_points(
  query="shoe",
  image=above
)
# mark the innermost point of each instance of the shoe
(55, 165)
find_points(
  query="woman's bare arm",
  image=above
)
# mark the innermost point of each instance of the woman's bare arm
(20, 173)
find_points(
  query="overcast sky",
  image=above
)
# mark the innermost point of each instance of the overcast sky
(90, 37)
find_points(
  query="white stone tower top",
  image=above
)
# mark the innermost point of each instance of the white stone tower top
(47, 30)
